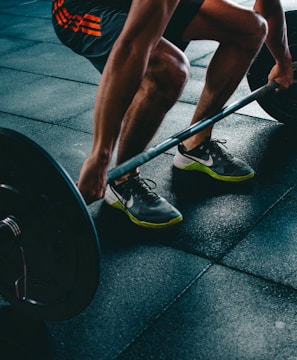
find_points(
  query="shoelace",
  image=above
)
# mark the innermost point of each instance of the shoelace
(215, 147)
(141, 187)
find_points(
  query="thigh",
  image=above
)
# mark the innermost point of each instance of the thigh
(221, 20)
(182, 17)
(147, 22)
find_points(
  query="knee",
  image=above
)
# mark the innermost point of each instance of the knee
(257, 32)
(177, 70)
(168, 74)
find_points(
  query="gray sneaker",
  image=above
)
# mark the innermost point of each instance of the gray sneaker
(212, 159)
(143, 206)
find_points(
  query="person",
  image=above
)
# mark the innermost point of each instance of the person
(138, 47)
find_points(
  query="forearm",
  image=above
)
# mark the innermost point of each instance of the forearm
(277, 40)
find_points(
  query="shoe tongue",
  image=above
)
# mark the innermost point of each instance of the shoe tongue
(135, 177)
(206, 142)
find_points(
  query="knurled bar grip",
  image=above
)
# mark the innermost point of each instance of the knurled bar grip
(152, 152)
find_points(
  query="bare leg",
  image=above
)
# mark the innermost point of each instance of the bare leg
(120, 81)
(153, 100)
(240, 33)
(154, 97)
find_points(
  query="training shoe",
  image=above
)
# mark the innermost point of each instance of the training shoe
(143, 206)
(210, 158)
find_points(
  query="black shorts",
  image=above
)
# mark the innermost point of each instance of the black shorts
(90, 29)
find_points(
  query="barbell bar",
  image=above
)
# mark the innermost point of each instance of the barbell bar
(49, 245)
(152, 152)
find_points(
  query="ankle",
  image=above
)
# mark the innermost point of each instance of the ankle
(188, 146)
(126, 177)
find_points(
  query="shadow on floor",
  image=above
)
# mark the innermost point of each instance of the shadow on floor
(23, 338)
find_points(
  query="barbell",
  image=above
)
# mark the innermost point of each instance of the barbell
(49, 246)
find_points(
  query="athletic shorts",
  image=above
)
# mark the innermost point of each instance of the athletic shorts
(90, 28)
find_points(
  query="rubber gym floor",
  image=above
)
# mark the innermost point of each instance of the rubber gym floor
(220, 285)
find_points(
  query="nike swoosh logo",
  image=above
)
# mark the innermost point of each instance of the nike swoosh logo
(130, 202)
(208, 162)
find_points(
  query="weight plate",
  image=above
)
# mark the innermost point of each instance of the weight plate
(282, 106)
(51, 271)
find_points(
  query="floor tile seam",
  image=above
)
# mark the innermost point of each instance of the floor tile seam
(276, 203)
(42, 76)
(193, 64)
(237, 112)
(47, 75)
(166, 307)
(9, 52)
(22, 15)
(257, 222)
(70, 80)
(72, 128)
(209, 266)
(51, 124)
(36, 42)
(257, 276)
(189, 102)
(40, 121)
(201, 66)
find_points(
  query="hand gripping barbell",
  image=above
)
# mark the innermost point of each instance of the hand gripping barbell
(49, 246)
